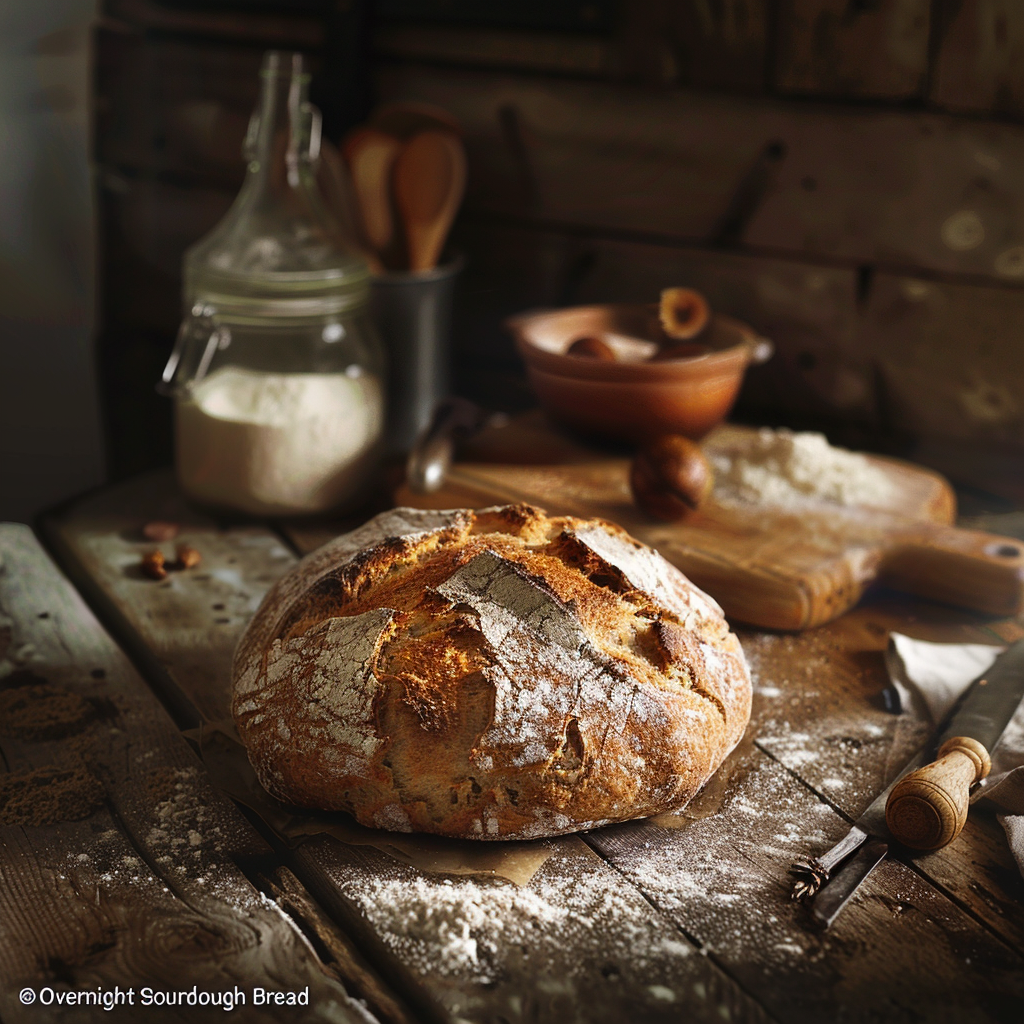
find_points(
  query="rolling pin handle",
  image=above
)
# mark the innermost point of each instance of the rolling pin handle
(927, 809)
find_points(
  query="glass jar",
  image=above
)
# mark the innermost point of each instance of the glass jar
(277, 373)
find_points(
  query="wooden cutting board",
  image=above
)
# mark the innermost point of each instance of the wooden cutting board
(773, 567)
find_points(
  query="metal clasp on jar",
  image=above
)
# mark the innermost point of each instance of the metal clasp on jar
(200, 328)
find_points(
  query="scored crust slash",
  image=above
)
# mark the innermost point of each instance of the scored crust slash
(499, 674)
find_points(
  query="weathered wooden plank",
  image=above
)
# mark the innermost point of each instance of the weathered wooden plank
(147, 225)
(573, 944)
(912, 189)
(190, 656)
(559, 52)
(294, 30)
(899, 952)
(182, 629)
(123, 869)
(171, 107)
(592, 153)
(980, 465)
(920, 333)
(698, 166)
(719, 46)
(657, 42)
(980, 61)
(834, 48)
(338, 949)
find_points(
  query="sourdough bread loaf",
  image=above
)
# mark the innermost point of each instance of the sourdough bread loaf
(499, 674)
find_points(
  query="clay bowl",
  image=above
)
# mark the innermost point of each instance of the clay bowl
(633, 398)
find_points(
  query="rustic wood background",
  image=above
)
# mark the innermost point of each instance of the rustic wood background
(847, 176)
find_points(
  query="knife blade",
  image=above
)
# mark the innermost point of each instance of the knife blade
(831, 900)
(982, 713)
(987, 705)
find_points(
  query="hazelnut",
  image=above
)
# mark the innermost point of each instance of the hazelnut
(592, 348)
(153, 565)
(684, 313)
(188, 557)
(159, 531)
(670, 478)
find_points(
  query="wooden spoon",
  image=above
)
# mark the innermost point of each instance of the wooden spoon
(370, 155)
(405, 118)
(430, 176)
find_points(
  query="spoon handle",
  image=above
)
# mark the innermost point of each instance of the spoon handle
(430, 177)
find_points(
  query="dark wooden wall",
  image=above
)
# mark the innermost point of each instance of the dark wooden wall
(847, 175)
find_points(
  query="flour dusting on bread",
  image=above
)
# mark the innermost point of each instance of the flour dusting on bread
(492, 674)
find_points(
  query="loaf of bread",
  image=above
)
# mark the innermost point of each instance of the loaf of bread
(498, 674)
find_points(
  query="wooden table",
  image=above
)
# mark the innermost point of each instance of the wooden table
(123, 863)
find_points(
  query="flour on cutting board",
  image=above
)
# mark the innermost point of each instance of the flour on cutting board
(788, 470)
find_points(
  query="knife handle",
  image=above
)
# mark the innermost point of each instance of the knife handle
(927, 808)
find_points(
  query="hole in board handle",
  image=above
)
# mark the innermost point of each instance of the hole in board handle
(1003, 550)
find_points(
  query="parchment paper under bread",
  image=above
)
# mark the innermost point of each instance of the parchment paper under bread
(228, 765)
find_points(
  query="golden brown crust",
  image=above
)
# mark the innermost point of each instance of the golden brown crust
(499, 674)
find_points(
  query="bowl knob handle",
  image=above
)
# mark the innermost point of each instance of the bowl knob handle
(760, 350)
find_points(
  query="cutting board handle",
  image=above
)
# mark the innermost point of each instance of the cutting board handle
(967, 568)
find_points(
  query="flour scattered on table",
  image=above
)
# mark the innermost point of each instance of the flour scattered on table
(789, 470)
(474, 929)
(460, 924)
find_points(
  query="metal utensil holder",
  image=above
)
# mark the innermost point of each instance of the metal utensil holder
(413, 312)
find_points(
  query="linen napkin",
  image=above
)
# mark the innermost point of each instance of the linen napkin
(929, 678)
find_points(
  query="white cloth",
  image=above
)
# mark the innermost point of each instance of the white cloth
(929, 678)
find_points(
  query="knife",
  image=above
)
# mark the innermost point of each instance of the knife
(925, 806)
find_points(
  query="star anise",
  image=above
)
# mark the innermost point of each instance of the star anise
(809, 875)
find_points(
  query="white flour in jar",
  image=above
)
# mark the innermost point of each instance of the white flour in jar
(277, 443)
(788, 470)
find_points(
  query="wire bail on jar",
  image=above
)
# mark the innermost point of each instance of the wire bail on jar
(199, 328)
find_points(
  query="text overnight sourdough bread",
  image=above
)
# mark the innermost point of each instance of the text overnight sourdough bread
(498, 674)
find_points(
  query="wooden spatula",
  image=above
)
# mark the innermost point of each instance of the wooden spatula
(370, 155)
(429, 179)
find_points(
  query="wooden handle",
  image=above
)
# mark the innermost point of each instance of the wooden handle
(370, 155)
(967, 568)
(927, 809)
(429, 179)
